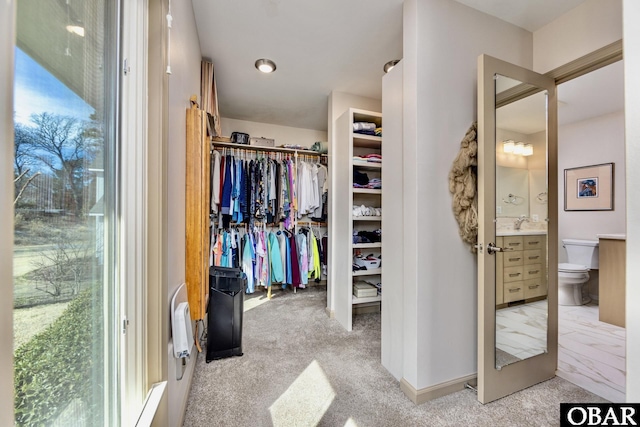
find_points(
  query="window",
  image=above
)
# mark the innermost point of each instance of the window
(66, 295)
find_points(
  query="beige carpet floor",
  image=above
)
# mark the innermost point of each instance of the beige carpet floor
(301, 368)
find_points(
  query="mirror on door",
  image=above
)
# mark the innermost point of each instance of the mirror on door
(521, 221)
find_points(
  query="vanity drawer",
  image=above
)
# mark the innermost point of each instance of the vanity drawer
(533, 242)
(534, 288)
(514, 243)
(511, 274)
(514, 291)
(513, 259)
(532, 271)
(533, 256)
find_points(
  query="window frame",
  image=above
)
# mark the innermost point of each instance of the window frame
(7, 49)
(140, 352)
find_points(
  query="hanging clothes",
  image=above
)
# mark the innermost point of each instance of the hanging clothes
(296, 281)
(303, 262)
(284, 256)
(257, 189)
(323, 188)
(248, 263)
(215, 181)
(262, 260)
(275, 259)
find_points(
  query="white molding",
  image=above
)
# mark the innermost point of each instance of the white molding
(433, 392)
(132, 200)
(7, 48)
(151, 404)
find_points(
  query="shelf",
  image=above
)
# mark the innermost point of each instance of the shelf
(367, 245)
(367, 218)
(374, 272)
(367, 141)
(367, 165)
(356, 300)
(367, 191)
(367, 116)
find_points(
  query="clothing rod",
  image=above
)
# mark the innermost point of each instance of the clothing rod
(258, 148)
(273, 224)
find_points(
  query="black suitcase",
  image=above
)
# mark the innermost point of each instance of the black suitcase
(226, 303)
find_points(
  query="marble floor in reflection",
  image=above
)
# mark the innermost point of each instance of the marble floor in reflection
(591, 354)
(521, 331)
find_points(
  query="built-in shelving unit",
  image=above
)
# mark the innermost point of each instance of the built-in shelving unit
(345, 223)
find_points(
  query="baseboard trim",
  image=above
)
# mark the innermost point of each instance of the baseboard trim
(433, 392)
(330, 313)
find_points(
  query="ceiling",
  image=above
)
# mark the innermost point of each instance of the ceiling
(320, 47)
(527, 14)
(592, 95)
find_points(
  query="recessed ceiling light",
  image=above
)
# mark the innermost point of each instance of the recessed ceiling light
(266, 65)
(389, 65)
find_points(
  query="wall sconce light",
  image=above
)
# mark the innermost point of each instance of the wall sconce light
(519, 148)
(508, 146)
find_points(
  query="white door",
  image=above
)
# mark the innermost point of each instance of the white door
(517, 228)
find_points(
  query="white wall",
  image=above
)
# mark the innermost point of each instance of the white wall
(183, 82)
(591, 142)
(631, 10)
(281, 134)
(588, 27)
(7, 42)
(442, 41)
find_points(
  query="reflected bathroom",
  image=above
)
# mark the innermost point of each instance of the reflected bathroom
(591, 334)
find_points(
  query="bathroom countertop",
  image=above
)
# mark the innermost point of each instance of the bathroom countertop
(521, 232)
(612, 236)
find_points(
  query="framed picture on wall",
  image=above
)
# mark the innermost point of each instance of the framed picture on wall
(589, 188)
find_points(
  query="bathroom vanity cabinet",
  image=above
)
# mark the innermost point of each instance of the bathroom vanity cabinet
(520, 270)
(612, 260)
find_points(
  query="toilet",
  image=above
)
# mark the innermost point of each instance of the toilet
(572, 276)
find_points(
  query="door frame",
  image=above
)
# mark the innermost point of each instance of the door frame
(585, 64)
(493, 383)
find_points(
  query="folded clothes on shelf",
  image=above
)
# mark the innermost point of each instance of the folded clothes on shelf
(366, 211)
(374, 183)
(370, 158)
(360, 178)
(359, 126)
(370, 262)
(364, 236)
